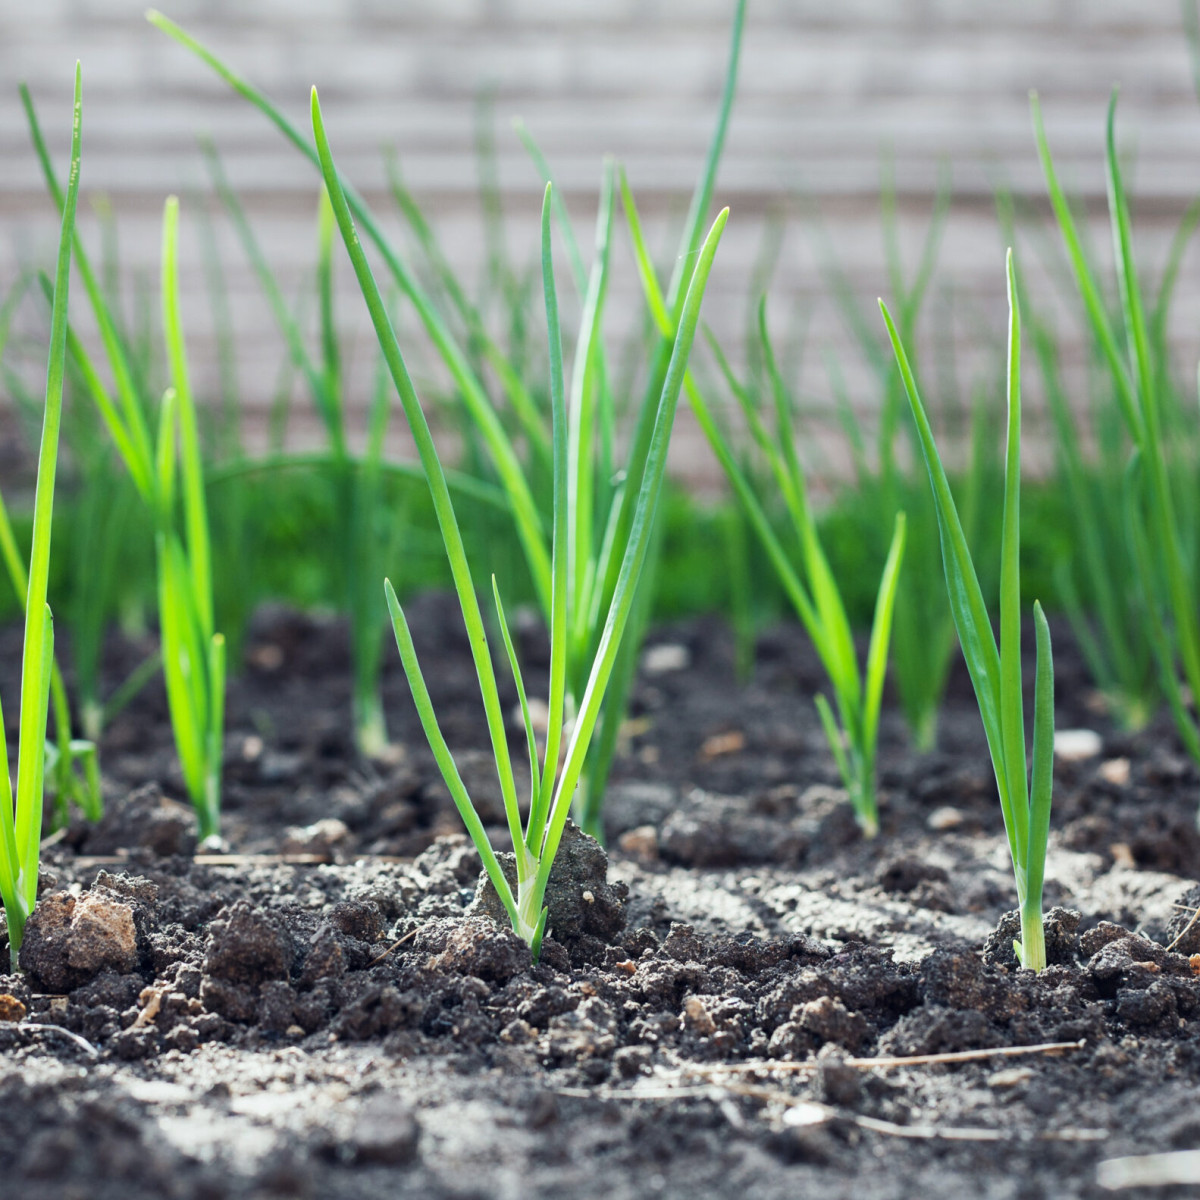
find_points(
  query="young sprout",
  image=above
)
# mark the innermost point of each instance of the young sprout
(853, 732)
(21, 816)
(193, 652)
(71, 762)
(1153, 519)
(996, 671)
(602, 496)
(355, 483)
(555, 778)
(168, 473)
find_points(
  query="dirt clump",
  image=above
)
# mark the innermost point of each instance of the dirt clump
(68, 941)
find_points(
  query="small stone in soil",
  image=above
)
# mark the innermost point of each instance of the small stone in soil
(1115, 771)
(732, 741)
(385, 1132)
(11, 1009)
(69, 941)
(1011, 1077)
(944, 818)
(661, 660)
(641, 842)
(322, 837)
(1074, 745)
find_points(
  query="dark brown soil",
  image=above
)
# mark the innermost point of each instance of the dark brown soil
(323, 1008)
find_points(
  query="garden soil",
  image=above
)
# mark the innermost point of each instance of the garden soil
(323, 1006)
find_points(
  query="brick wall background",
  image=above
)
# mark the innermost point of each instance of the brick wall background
(828, 93)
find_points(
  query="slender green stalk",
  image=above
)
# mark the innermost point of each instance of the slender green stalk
(169, 476)
(812, 589)
(535, 844)
(1110, 627)
(602, 497)
(923, 640)
(1152, 425)
(193, 652)
(21, 822)
(996, 670)
(71, 786)
(524, 509)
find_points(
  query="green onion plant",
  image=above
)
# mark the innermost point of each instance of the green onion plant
(72, 764)
(804, 571)
(996, 669)
(21, 813)
(355, 483)
(168, 472)
(554, 779)
(1148, 601)
(193, 653)
(514, 439)
(923, 642)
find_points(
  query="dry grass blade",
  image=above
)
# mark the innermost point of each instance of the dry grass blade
(1149, 1170)
(889, 1063)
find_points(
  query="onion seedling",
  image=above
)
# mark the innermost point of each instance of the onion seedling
(604, 498)
(1154, 514)
(554, 779)
(66, 752)
(71, 762)
(356, 485)
(996, 670)
(21, 814)
(168, 473)
(853, 732)
(923, 637)
(1097, 579)
(193, 652)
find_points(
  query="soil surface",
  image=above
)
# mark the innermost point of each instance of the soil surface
(323, 1006)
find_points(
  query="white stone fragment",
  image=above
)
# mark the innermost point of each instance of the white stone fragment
(670, 656)
(946, 817)
(1074, 745)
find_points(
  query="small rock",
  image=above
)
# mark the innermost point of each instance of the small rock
(1011, 1077)
(733, 741)
(944, 818)
(69, 941)
(665, 658)
(641, 842)
(696, 1017)
(1115, 771)
(320, 838)
(385, 1132)
(1074, 745)
(102, 935)
(11, 1009)
(837, 1083)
